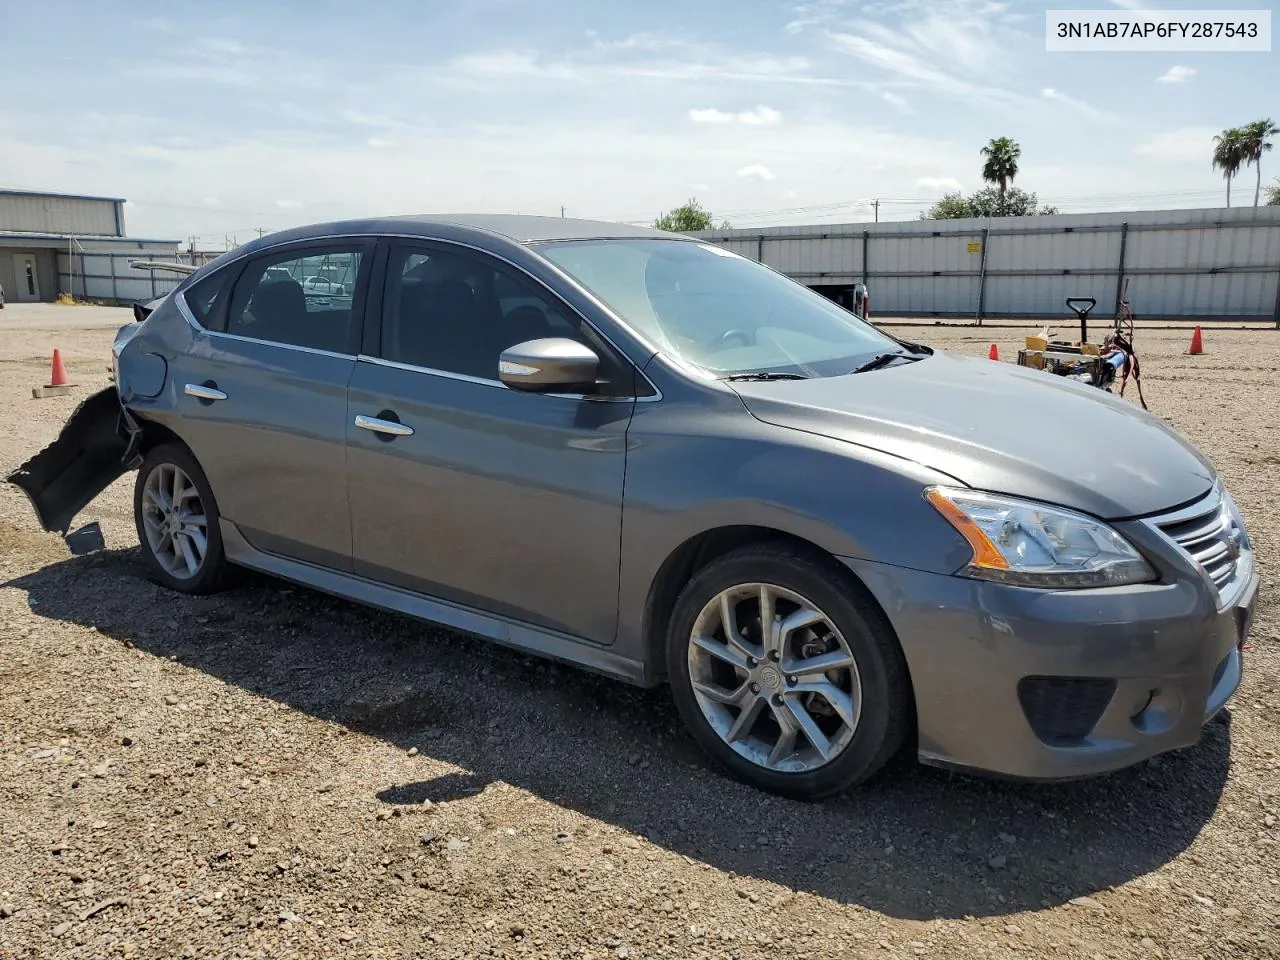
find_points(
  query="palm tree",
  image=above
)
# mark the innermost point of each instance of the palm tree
(1228, 155)
(1255, 141)
(1001, 165)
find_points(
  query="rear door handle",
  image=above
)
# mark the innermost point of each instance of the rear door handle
(203, 392)
(386, 427)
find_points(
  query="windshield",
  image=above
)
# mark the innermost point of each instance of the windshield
(717, 310)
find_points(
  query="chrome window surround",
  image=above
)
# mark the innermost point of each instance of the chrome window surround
(180, 299)
(1212, 536)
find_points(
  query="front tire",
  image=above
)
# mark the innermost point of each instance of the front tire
(786, 672)
(177, 522)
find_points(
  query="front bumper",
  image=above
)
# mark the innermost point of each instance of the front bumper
(1054, 685)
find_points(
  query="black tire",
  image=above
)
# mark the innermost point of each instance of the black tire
(885, 718)
(212, 573)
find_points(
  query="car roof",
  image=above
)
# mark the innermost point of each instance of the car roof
(486, 230)
(528, 229)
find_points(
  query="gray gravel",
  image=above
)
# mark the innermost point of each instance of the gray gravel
(272, 772)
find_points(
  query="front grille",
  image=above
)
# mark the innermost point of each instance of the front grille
(1064, 710)
(1208, 534)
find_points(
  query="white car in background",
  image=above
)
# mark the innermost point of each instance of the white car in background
(324, 286)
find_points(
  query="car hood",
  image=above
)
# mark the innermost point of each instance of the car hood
(999, 427)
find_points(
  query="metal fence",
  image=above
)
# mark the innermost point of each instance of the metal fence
(1203, 265)
(105, 276)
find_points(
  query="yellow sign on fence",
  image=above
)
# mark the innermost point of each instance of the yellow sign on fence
(975, 247)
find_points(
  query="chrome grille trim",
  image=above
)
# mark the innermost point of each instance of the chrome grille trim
(1209, 534)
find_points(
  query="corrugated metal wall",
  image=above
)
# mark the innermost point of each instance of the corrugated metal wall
(38, 213)
(100, 271)
(1202, 264)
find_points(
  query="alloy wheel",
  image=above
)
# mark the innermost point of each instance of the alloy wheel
(174, 521)
(774, 678)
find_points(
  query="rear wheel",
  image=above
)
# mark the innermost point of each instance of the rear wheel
(177, 521)
(787, 675)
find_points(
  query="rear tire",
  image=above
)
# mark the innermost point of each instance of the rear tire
(817, 704)
(177, 521)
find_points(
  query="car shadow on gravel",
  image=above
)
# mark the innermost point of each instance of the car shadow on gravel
(915, 843)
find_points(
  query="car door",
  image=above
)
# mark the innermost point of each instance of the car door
(262, 399)
(501, 500)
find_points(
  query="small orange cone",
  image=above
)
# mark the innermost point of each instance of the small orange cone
(59, 378)
(1196, 345)
(58, 384)
(993, 353)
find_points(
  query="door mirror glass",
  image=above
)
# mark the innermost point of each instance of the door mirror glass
(549, 365)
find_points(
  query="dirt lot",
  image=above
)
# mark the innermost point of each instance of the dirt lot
(275, 773)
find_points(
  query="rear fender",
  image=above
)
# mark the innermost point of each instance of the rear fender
(98, 444)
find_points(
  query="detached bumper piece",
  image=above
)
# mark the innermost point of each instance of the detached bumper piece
(98, 444)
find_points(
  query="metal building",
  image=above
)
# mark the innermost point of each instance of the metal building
(1206, 264)
(53, 243)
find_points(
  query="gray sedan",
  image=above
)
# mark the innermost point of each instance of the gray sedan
(639, 453)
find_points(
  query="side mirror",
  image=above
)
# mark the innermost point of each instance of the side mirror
(550, 365)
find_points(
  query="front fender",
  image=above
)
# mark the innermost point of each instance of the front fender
(846, 500)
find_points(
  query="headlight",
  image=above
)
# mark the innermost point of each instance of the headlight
(1032, 545)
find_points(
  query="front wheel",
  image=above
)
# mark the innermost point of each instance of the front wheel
(786, 673)
(177, 521)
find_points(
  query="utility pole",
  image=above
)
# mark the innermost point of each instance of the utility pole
(260, 232)
(876, 205)
(562, 211)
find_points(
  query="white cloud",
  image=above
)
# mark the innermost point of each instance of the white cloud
(939, 184)
(1184, 145)
(756, 171)
(380, 143)
(289, 205)
(1051, 94)
(211, 202)
(759, 117)
(898, 102)
(920, 70)
(1176, 74)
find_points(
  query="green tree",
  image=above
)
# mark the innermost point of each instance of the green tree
(1273, 193)
(1255, 140)
(1001, 166)
(688, 218)
(988, 202)
(1229, 155)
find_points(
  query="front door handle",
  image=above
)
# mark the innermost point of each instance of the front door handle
(203, 391)
(386, 427)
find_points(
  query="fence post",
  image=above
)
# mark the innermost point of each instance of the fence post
(982, 275)
(115, 294)
(866, 242)
(1277, 310)
(1124, 242)
(760, 249)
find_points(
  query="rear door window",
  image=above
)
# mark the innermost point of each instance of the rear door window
(302, 298)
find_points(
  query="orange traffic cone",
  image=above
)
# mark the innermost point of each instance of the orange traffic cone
(993, 353)
(59, 377)
(1196, 345)
(58, 384)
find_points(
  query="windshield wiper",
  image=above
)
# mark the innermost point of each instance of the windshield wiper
(884, 359)
(765, 375)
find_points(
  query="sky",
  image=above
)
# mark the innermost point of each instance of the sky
(216, 120)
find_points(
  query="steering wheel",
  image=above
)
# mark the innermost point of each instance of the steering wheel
(735, 334)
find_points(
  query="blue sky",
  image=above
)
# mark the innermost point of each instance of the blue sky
(216, 118)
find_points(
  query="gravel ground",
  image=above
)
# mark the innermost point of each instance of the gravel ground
(275, 773)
